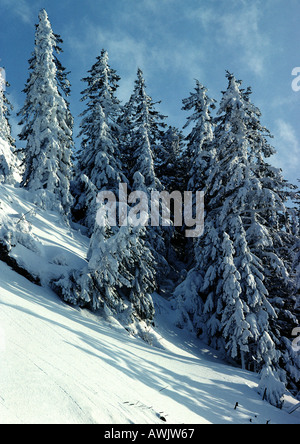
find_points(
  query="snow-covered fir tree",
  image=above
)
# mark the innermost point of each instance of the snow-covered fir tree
(142, 159)
(139, 118)
(123, 270)
(101, 86)
(291, 357)
(295, 229)
(245, 199)
(200, 151)
(171, 170)
(5, 112)
(64, 88)
(99, 164)
(8, 161)
(119, 277)
(47, 125)
(270, 238)
(233, 324)
(141, 146)
(199, 158)
(99, 169)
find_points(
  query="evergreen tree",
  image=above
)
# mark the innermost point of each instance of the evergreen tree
(8, 159)
(145, 126)
(200, 152)
(243, 183)
(199, 158)
(258, 310)
(272, 384)
(246, 200)
(99, 160)
(290, 356)
(235, 329)
(172, 169)
(64, 87)
(61, 74)
(46, 122)
(122, 271)
(5, 112)
(102, 84)
(295, 216)
(119, 277)
(143, 159)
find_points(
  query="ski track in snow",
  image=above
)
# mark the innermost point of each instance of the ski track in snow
(60, 364)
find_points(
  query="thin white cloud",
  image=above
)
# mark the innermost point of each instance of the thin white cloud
(21, 8)
(238, 30)
(243, 30)
(164, 53)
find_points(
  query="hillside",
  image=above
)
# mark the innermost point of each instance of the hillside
(60, 364)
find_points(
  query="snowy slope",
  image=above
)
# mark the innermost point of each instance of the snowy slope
(59, 364)
(45, 246)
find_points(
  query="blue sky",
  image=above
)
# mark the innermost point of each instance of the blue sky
(173, 42)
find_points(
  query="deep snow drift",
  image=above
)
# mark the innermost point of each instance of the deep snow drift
(60, 364)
